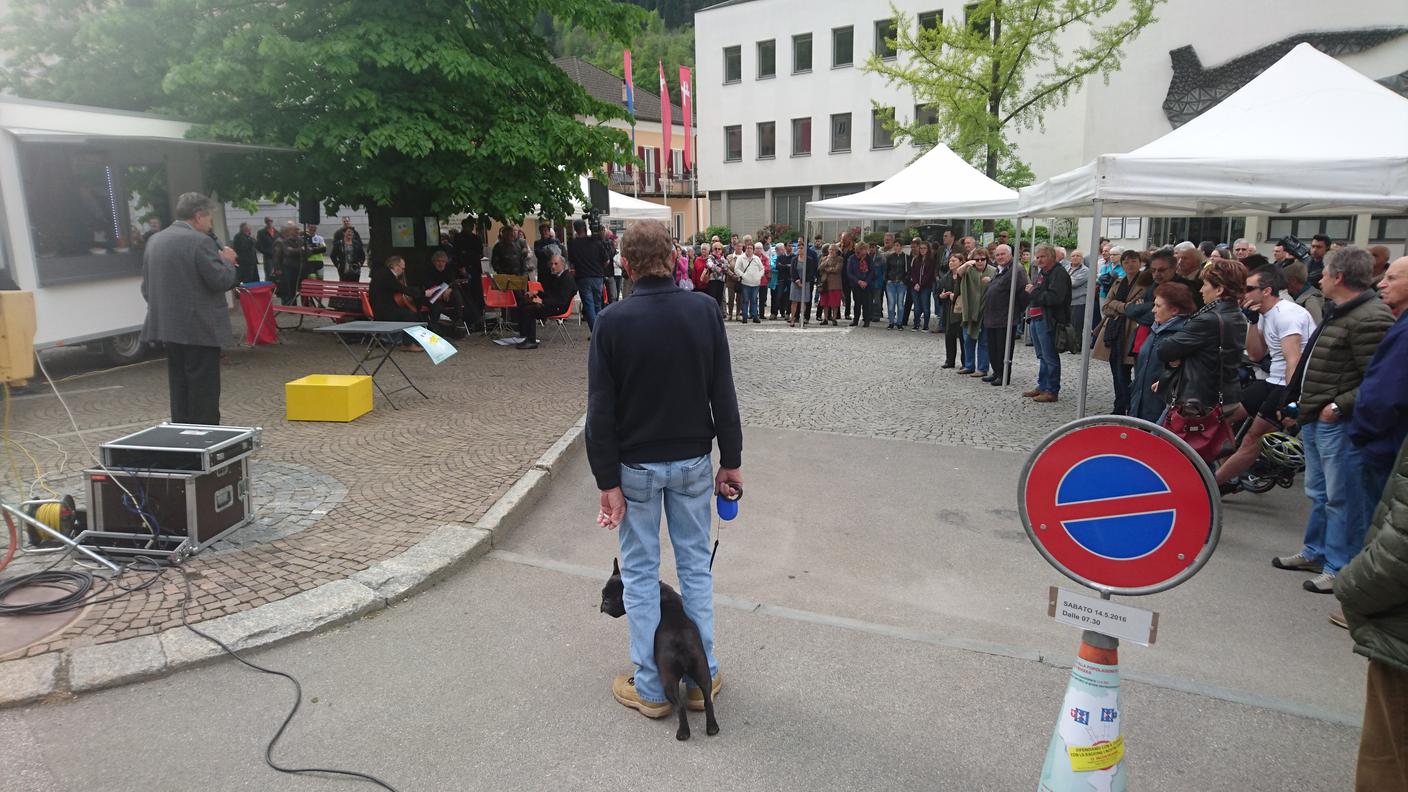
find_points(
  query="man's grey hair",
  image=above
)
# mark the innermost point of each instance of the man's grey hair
(1049, 250)
(1060, 253)
(1356, 265)
(1007, 248)
(1240, 241)
(190, 204)
(439, 254)
(553, 251)
(1184, 247)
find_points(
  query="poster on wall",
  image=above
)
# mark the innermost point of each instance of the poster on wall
(1114, 228)
(403, 232)
(1134, 228)
(432, 231)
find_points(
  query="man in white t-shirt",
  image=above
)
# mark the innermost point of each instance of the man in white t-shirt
(1281, 331)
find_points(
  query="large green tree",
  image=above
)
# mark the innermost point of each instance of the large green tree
(1001, 67)
(431, 107)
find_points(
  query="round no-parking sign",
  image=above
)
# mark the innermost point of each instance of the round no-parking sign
(1120, 505)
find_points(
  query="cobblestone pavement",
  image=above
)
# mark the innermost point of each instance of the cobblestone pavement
(888, 383)
(339, 497)
(386, 480)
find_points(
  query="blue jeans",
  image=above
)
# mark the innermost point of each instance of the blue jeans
(1048, 377)
(684, 487)
(921, 307)
(894, 297)
(750, 302)
(1334, 483)
(590, 291)
(975, 349)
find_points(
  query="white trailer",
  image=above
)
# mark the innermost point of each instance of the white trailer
(80, 187)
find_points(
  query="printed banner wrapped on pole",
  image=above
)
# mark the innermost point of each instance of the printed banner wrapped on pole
(666, 122)
(686, 100)
(1087, 749)
(438, 348)
(630, 87)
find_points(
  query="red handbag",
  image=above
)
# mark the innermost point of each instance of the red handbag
(1202, 429)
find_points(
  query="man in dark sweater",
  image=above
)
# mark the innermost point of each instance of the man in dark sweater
(1050, 308)
(659, 390)
(554, 300)
(586, 258)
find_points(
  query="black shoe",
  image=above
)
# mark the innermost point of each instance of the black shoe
(989, 378)
(756, 320)
(997, 382)
(526, 345)
(855, 322)
(946, 365)
(864, 324)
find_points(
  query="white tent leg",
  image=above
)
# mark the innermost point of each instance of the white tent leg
(1084, 327)
(1006, 371)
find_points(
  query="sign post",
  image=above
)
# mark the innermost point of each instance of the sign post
(1124, 507)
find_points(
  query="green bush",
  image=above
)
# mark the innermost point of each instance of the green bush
(777, 232)
(724, 233)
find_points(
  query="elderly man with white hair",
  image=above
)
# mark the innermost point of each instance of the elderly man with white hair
(1243, 248)
(1189, 269)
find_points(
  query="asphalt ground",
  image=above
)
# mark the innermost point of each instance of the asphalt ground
(882, 625)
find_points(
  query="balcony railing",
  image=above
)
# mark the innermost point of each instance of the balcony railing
(649, 183)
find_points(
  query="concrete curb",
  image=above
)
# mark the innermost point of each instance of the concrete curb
(88, 668)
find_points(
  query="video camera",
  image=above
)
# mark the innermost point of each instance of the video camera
(1295, 247)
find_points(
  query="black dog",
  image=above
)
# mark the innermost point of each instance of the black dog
(679, 651)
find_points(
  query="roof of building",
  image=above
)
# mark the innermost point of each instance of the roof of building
(724, 4)
(606, 87)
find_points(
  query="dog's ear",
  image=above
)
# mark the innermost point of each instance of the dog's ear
(615, 566)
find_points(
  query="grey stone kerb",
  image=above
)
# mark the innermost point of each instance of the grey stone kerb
(384, 583)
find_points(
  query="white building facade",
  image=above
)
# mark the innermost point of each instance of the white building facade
(786, 107)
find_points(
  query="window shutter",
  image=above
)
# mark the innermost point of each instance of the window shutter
(656, 153)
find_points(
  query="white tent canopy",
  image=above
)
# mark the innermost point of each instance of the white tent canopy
(1224, 162)
(624, 207)
(938, 184)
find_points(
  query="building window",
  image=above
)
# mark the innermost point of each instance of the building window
(801, 137)
(885, 39)
(801, 53)
(930, 20)
(842, 47)
(925, 115)
(767, 59)
(789, 208)
(733, 143)
(840, 133)
(978, 23)
(1390, 229)
(880, 135)
(733, 65)
(767, 140)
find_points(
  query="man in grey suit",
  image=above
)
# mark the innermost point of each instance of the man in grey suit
(185, 275)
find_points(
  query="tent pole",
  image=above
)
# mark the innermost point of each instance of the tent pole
(1016, 262)
(1085, 332)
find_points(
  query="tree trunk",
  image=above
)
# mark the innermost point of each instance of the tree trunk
(380, 228)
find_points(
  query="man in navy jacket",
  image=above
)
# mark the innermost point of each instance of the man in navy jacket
(659, 390)
(1379, 423)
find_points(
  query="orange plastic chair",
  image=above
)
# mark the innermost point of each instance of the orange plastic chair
(560, 321)
(503, 301)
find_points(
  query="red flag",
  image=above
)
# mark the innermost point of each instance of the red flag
(630, 86)
(666, 122)
(685, 101)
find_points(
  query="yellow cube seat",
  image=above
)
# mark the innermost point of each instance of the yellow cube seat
(328, 397)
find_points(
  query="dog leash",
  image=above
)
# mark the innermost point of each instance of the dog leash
(725, 508)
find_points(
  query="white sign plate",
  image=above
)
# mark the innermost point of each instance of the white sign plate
(1103, 616)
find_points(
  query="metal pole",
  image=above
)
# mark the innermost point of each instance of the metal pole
(1085, 333)
(55, 534)
(1012, 304)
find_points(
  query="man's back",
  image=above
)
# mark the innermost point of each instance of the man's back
(184, 283)
(660, 381)
(587, 257)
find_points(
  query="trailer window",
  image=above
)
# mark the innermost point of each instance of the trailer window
(89, 210)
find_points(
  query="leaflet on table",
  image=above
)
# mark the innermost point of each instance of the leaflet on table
(438, 348)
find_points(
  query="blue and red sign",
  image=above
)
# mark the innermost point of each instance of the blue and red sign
(1115, 506)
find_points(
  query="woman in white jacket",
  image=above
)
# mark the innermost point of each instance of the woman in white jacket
(749, 268)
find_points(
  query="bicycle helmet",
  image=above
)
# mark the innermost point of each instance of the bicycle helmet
(1283, 449)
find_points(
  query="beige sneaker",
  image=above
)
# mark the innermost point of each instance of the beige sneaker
(1323, 583)
(1297, 563)
(624, 689)
(695, 696)
(1337, 618)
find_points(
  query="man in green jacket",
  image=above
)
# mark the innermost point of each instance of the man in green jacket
(1374, 592)
(1327, 382)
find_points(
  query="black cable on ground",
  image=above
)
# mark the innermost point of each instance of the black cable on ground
(297, 701)
(85, 589)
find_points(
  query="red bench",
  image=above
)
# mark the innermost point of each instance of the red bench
(312, 292)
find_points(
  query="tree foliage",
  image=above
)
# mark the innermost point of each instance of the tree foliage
(1001, 68)
(651, 44)
(445, 106)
